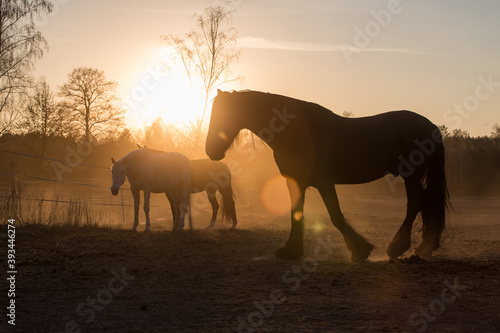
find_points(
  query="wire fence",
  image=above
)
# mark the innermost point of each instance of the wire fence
(55, 181)
(52, 159)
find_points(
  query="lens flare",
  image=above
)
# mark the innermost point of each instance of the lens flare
(298, 215)
(275, 195)
(223, 136)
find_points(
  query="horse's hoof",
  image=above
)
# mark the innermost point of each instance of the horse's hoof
(361, 254)
(395, 250)
(426, 248)
(147, 230)
(209, 227)
(399, 244)
(423, 252)
(289, 254)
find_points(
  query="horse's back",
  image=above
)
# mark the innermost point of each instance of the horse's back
(158, 172)
(177, 164)
(207, 172)
(358, 150)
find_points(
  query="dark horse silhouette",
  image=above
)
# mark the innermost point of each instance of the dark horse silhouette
(211, 176)
(314, 147)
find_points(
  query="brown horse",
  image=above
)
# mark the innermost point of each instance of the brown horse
(212, 177)
(314, 147)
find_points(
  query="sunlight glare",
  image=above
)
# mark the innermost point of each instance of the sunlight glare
(162, 90)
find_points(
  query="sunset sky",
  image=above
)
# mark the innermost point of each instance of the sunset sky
(438, 58)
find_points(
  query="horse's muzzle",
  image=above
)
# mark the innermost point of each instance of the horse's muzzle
(114, 190)
(216, 157)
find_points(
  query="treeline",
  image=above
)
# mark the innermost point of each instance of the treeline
(85, 107)
(473, 163)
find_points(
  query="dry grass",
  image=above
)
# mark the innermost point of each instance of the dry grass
(28, 204)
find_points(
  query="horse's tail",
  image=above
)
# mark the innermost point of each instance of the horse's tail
(228, 209)
(436, 199)
(189, 211)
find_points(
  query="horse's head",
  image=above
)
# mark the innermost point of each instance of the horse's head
(118, 171)
(224, 125)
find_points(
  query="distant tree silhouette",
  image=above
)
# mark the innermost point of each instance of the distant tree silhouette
(42, 116)
(89, 101)
(496, 132)
(207, 53)
(21, 44)
(161, 135)
(459, 143)
(445, 132)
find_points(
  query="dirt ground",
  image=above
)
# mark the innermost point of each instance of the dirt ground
(93, 279)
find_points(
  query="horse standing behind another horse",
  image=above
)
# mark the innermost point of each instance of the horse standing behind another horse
(168, 173)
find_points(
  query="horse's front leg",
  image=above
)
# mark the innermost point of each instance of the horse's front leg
(136, 194)
(211, 194)
(147, 195)
(357, 244)
(294, 247)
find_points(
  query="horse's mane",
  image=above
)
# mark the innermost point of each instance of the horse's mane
(245, 91)
(135, 153)
(246, 135)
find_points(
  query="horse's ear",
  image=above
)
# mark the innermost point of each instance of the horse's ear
(219, 91)
(113, 160)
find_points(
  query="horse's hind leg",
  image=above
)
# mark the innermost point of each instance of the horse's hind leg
(229, 207)
(147, 195)
(189, 212)
(183, 209)
(357, 244)
(402, 239)
(183, 205)
(173, 208)
(215, 206)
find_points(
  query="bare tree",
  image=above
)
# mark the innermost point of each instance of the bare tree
(90, 102)
(21, 44)
(208, 53)
(42, 116)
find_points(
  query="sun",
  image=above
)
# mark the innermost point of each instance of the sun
(162, 90)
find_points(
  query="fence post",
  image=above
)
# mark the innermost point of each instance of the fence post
(123, 208)
(15, 194)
